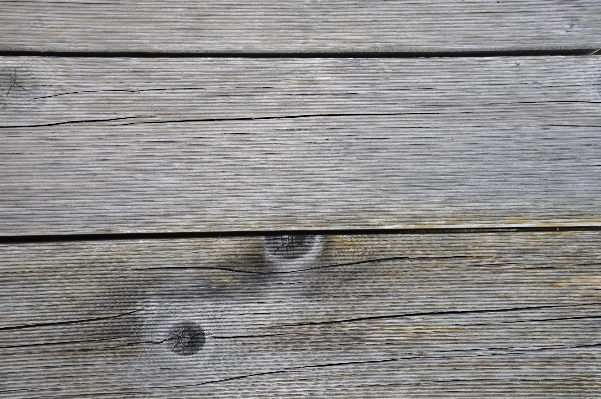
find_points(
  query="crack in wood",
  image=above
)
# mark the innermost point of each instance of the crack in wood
(438, 313)
(68, 322)
(277, 117)
(74, 342)
(269, 272)
(512, 351)
(66, 123)
(117, 91)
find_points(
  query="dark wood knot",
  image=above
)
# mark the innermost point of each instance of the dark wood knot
(185, 338)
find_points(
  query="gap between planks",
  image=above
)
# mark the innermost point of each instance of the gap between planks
(451, 230)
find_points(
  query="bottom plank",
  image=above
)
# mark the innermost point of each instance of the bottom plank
(339, 316)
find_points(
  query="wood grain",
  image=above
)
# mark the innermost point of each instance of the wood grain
(269, 26)
(480, 315)
(151, 145)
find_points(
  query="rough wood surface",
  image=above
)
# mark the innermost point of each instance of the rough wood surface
(270, 26)
(146, 145)
(481, 315)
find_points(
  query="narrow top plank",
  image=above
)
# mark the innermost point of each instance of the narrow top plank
(271, 26)
(214, 144)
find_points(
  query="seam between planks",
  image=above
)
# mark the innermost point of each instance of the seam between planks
(374, 54)
(25, 239)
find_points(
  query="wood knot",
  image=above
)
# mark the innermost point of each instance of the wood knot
(185, 338)
(291, 247)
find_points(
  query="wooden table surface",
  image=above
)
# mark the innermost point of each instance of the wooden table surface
(364, 199)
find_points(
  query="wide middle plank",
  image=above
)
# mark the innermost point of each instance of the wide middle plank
(146, 145)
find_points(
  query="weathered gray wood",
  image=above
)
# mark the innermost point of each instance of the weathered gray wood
(269, 26)
(483, 315)
(122, 145)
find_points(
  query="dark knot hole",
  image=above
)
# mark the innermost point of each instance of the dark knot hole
(185, 338)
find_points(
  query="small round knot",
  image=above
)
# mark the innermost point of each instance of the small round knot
(185, 338)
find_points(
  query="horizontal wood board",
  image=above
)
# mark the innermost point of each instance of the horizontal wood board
(154, 145)
(476, 315)
(269, 26)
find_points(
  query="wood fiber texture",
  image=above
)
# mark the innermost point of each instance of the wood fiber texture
(224, 144)
(269, 26)
(226, 116)
(472, 315)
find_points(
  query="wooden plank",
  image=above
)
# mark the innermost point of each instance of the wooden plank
(270, 26)
(480, 315)
(147, 145)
